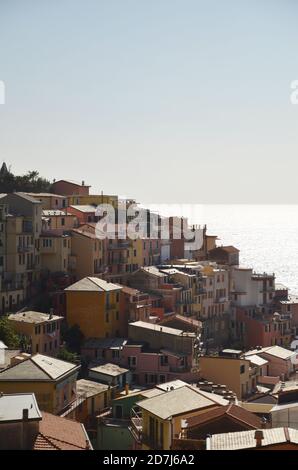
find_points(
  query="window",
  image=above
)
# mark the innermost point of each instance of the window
(45, 347)
(164, 360)
(117, 315)
(242, 369)
(115, 353)
(132, 361)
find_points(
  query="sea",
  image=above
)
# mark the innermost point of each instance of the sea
(266, 235)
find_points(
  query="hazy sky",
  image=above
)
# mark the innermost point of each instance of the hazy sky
(162, 100)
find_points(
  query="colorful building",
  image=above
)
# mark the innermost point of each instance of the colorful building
(94, 305)
(51, 380)
(231, 369)
(70, 188)
(41, 330)
(160, 418)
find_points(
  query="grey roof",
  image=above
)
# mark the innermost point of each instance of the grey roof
(12, 406)
(104, 343)
(153, 270)
(246, 439)
(109, 369)
(25, 370)
(181, 400)
(257, 360)
(89, 388)
(27, 197)
(52, 212)
(160, 328)
(38, 367)
(33, 317)
(93, 284)
(55, 368)
(45, 195)
(84, 207)
(278, 351)
(171, 385)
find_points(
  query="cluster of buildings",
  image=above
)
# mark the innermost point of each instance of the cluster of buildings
(181, 346)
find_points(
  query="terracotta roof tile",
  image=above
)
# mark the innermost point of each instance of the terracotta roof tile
(234, 411)
(56, 433)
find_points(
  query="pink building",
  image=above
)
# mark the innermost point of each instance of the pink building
(148, 367)
(281, 362)
(69, 188)
(84, 213)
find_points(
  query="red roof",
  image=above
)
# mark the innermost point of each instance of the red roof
(235, 412)
(228, 249)
(56, 433)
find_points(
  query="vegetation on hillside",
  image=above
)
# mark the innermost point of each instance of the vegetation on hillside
(7, 334)
(30, 182)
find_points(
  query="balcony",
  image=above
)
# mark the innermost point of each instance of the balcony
(220, 300)
(110, 306)
(25, 249)
(121, 245)
(120, 260)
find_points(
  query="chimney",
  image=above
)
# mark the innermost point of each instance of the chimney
(83, 183)
(25, 414)
(264, 422)
(126, 388)
(259, 436)
(51, 313)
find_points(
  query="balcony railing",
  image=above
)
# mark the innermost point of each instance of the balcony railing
(24, 249)
(110, 306)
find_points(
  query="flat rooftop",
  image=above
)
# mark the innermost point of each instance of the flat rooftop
(160, 329)
(12, 406)
(33, 317)
(109, 369)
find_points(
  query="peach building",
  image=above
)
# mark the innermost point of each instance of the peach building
(58, 221)
(41, 330)
(83, 241)
(55, 252)
(50, 201)
(69, 188)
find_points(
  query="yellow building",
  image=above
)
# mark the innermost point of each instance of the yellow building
(41, 330)
(55, 252)
(49, 200)
(162, 415)
(53, 381)
(88, 251)
(236, 372)
(93, 199)
(93, 304)
(23, 227)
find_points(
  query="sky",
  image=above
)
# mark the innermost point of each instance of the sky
(166, 101)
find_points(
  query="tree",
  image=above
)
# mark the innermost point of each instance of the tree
(66, 355)
(73, 337)
(29, 182)
(7, 334)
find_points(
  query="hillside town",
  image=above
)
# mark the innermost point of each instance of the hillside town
(137, 343)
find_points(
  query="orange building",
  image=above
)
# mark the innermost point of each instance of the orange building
(94, 305)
